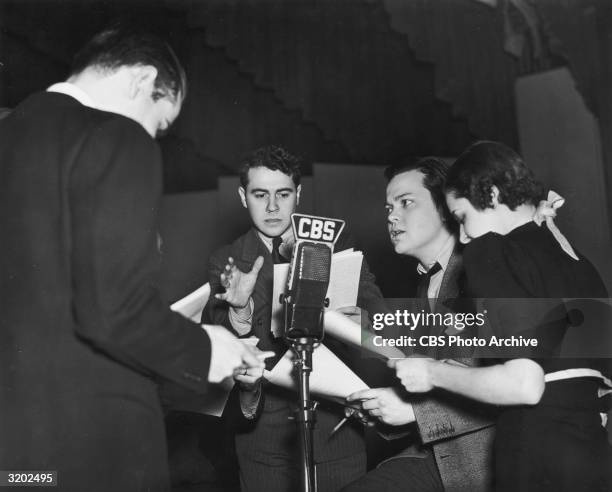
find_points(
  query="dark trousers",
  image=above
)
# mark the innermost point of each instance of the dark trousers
(400, 474)
(269, 455)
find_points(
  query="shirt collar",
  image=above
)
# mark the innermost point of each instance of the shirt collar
(286, 236)
(73, 91)
(443, 256)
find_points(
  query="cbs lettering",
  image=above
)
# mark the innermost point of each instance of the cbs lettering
(432, 341)
(317, 229)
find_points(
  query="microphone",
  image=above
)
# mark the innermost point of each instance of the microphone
(305, 303)
(308, 281)
(305, 300)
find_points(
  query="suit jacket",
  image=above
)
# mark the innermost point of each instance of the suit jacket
(244, 251)
(84, 334)
(457, 430)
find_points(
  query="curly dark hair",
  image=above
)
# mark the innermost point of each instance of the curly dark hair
(486, 164)
(434, 173)
(275, 158)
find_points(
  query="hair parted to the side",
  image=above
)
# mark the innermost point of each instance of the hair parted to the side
(273, 157)
(434, 171)
(485, 164)
(126, 44)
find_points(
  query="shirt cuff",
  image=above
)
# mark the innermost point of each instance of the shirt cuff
(241, 323)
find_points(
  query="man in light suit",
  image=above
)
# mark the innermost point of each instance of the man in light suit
(447, 440)
(84, 336)
(241, 279)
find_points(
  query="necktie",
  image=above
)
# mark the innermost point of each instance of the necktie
(276, 256)
(423, 301)
(423, 286)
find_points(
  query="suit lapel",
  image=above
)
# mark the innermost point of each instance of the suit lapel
(449, 288)
(252, 247)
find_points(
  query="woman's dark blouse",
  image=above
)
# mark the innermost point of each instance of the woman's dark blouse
(528, 263)
(525, 279)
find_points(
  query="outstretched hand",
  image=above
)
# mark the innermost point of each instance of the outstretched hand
(238, 284)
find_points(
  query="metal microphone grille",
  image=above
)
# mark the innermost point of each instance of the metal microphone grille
(315, 261)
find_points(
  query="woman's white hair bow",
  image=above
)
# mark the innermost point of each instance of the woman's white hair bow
(547, 211)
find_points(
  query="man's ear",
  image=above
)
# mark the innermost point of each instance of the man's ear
(242, 193)
(297, 194)
(142, 80)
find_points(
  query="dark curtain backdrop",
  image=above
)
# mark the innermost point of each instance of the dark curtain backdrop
(334, 81)
(361, 81)
(342, 67)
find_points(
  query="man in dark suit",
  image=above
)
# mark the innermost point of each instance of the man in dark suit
(447, 440)
(241, 276)
(85, 336)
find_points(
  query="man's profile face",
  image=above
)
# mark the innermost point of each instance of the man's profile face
(270, 197)
(413, 220)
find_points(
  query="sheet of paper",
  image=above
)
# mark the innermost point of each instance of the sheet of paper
(344, 279)
(330, 377)
(277, 322)
(192, 305)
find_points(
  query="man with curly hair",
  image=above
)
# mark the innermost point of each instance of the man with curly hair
(241, 278)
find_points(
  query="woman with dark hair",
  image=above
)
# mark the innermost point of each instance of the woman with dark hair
(519, 267)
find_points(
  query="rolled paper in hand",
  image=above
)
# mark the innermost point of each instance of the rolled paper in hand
(342, 328)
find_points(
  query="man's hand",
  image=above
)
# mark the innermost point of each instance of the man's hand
(385, 404)
(361, 416)
(415, 373)
(249, 378)
(238, 285)
(230, 355)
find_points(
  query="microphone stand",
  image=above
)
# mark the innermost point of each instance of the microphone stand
(306, 412)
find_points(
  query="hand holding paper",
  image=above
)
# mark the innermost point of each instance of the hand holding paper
(415, 373)
(229, 353)
(250, 378)
(385, 404)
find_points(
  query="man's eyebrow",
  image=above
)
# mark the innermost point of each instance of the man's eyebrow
(402, 195)
(264, 190)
